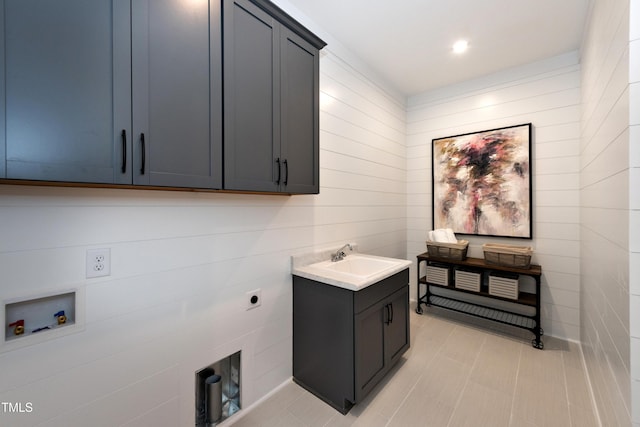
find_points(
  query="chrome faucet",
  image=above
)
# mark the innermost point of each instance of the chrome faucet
(339, 256)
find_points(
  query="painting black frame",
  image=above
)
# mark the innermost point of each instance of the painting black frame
(523, 206)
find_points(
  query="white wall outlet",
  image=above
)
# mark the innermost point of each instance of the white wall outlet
(98, 262)
(254, 298)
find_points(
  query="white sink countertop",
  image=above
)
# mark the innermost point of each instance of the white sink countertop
(355, 272)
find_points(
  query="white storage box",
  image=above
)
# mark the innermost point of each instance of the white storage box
(468, 280)
(503, 285)
(438, 275)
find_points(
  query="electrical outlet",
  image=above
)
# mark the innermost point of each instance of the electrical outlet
(98, 262)
(254, 299)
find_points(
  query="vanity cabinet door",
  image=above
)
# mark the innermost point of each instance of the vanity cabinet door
(397, 330)
(66, 90)
(369, 338)
(381, 338)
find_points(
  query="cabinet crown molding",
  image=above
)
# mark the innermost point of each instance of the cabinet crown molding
(285, 19)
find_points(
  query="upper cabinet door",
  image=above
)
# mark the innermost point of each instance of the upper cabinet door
(66, 80)
(300, 111)
(271, 105)
(251, 98)
(177, 93)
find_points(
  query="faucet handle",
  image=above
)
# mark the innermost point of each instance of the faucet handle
(340, 254)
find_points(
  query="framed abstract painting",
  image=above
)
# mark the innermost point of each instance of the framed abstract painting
(481, 182)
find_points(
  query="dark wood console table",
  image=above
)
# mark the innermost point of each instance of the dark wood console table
(531, 323)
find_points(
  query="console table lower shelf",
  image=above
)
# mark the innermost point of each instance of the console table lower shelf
(478, 309)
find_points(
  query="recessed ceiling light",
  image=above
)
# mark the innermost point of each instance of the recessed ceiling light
(460, 46)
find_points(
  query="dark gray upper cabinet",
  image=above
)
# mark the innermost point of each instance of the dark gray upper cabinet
(299, 141)
(177, 93)
(112, 91)
(130, 92)
(271, 100)
(251, 115)
(67, 90)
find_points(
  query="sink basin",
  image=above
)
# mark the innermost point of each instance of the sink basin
(356, 271)
(357, 265)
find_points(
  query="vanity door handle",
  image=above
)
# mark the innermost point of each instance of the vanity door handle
(286, 172)
(124, 150)
(391, 309)
(144, 154)
(386, 307)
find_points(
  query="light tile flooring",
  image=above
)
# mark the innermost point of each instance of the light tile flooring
(459, 371)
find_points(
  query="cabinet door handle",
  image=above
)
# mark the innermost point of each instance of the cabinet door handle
(286, 172)
(279, 171)
(144, 154)
(386, 307)
(391, 309)
(124, 150)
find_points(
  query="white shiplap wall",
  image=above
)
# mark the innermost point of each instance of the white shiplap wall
(182, 264)
(607, 231)
(547, 94)
(634, 204)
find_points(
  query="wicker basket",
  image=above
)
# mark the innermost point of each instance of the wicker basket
(457, 251)
(507, 255)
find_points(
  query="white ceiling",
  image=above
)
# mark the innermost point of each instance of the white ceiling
(408, 42)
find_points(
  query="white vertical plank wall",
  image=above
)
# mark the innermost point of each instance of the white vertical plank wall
(546, 94)
(608, 211)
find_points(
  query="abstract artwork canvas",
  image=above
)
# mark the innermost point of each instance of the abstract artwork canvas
(482, 182)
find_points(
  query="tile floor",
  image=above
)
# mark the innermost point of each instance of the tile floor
(459, 371)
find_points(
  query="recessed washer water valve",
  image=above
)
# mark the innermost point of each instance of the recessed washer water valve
(60, 316)
(19, 327)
